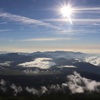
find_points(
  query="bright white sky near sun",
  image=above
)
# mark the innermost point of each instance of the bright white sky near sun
(43, 25)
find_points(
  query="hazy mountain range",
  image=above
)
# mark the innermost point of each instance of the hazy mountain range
(51, 61)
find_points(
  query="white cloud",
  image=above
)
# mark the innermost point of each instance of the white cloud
(44, 89)
(74, 20)
(2, 82)
(5, 30)
(90, 8)
(75, 83)
(3, 85)
(31, 72)
(67, 66)
(93, 60)
(16, 89)
(47, 39)
(6, 63)
(31, 90)
(43, 63)
(91, 85)
(79, 84)
(25, 20)
(55, 88)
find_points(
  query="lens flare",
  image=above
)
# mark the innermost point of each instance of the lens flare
(66, 12)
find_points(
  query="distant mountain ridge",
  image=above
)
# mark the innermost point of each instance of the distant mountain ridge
(59, 54)
(56, 61)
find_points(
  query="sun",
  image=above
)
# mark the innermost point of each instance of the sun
(66, 12)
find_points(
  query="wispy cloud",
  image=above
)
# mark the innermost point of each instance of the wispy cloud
(93, 10)
(5, 30)
(25, 20)
(77, 31)
(89, 8)
(46, 39)
(77, 20)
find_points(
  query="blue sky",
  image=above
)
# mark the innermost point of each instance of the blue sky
(37, 25)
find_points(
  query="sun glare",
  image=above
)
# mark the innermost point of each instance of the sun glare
(66, 12)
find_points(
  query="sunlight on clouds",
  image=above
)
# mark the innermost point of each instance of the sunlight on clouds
(74, 20)
(42, 63)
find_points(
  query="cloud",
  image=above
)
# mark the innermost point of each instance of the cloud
(93, 60)
(43, 90)
(2, 82)
(47, 39)
(31, 90)
(31, 72)
(5, 30)
(6, 63)
(79, 84)
(55, 88)
(3, 85)
(75, 83)
(25, 20)
(88, 9)
(67, 66)
(74, 20)
(16, 89)
(42, 63)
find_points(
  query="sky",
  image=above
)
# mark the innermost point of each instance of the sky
(38, 25)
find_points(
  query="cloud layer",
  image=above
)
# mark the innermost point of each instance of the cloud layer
(76, 84)
(47, 39)
(43, 63)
